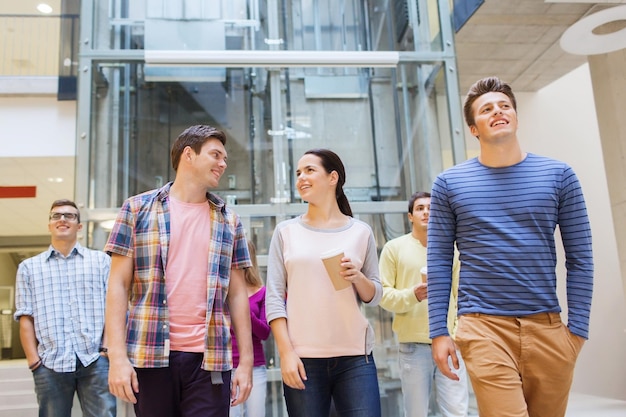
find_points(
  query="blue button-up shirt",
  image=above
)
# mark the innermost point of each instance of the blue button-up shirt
(66, 298)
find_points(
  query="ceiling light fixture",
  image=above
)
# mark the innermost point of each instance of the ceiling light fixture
(107, 225)
(271, 58)
(44, 8)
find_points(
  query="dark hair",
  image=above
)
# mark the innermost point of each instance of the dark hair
(65, 202)
(252, 276)
(484, 86)
(331, 162)
(415, 196)
(194, 137)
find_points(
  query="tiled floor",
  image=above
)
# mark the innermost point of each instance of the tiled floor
(582, 405)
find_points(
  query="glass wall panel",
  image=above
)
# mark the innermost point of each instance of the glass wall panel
(388, 125)
(312, 25)
(389, 137)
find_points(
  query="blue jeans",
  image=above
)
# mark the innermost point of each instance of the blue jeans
(55, 390)
(417, 373)
(350, 381)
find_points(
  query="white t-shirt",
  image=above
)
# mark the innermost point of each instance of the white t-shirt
(322, 322)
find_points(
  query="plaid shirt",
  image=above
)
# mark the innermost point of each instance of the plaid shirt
(142, 231)
(66, 298)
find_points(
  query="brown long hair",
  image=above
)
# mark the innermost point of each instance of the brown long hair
(331, 162)
(252, 275)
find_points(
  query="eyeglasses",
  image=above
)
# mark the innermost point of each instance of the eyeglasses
(70, 217)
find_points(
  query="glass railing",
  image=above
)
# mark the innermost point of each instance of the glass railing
(30, 46)
(41, 48)
(36, 46)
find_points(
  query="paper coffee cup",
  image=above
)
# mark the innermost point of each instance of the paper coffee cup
(332, 263)
(424, 272)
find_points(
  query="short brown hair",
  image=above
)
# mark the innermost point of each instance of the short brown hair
(65, 202)
(194, 137)
(415, 196)
(484, 86)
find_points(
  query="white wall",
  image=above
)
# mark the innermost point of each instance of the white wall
(560, 121)
(37, 148)
(37, 126)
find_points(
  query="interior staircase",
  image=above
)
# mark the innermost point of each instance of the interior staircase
(17, 390)
(17, 393)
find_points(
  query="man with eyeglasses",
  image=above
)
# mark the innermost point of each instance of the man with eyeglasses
(60, 301)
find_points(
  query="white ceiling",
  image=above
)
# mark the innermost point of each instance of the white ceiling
(517, 40)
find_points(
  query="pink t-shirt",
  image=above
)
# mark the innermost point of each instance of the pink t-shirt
(186, 274)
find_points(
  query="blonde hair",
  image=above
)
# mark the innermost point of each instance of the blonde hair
(252, 275)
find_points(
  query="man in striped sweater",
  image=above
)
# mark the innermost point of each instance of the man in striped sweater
(502, 209)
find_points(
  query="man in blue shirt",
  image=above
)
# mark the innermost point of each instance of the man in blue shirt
(60, 301)
(502, 209)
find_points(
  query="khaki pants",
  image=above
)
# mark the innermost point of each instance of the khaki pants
(518, 366)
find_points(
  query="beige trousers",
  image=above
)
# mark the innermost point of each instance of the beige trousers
(518, 366)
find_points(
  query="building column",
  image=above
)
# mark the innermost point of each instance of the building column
(608, 77)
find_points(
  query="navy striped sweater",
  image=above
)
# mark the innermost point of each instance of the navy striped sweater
(503, 221)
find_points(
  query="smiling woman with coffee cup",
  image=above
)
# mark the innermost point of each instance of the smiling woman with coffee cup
(324, 341)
